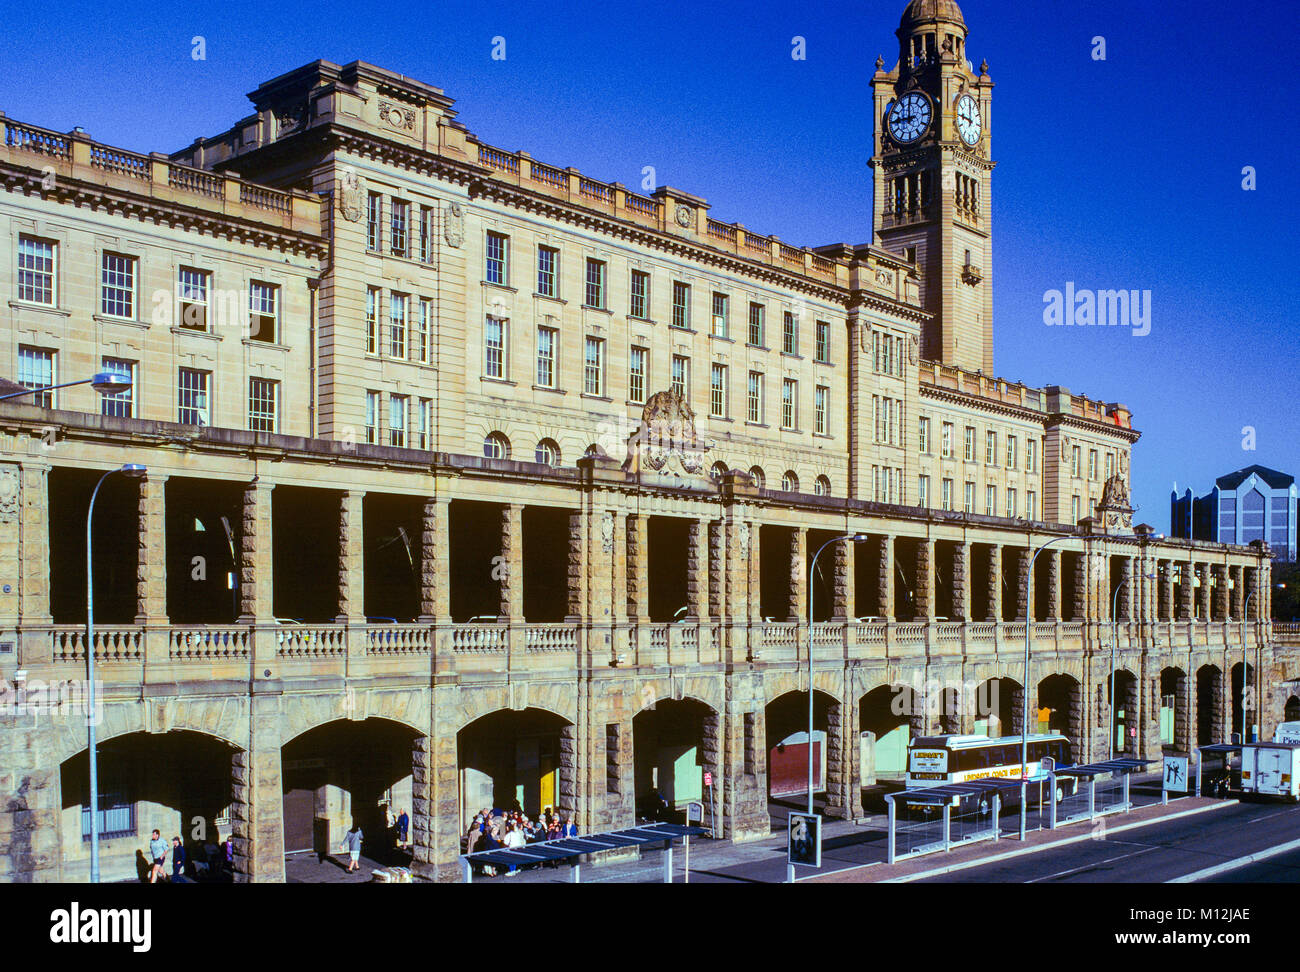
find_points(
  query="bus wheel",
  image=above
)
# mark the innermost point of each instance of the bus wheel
(984, 808)
(1060, 793)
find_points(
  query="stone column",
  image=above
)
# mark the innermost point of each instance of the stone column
(255, 564)
(924, 580)
(885, 575)
(257, 818)
(1219, 609)
(1166, 582)
(1203, 593)
(1238, 596)
(1186, 590)
(512, 562)
(993, 584)
(352, 558)
(435, 815)
(717, 569)
(25, 552)
(1024, 610)
(435, 561)
(1053, 584)
(843, 606)
(1079, 606)
(697, 569)
(961, 582)
(151, 559)
(638, 568)
(837, 769)
(753, 549)
(798, 610)
(618, 568)
(1126, 589)
(577, 565)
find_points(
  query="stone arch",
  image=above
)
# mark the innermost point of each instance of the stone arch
(1209, 705)
(675, 741)
(1171, 711)
(1061, 695)
(786, 743)
(1127, 740)
(889, 717)
(526, 756)
(475, 704)
(301, 714)
(1291, 712)
(224, 719)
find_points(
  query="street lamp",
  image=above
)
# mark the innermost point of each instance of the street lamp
(131, 471)
(1245, 613)
(105, 382)
(855, 538)
(1114, 641)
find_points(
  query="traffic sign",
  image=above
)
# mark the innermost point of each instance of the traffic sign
(1175, 778)
(708, 778)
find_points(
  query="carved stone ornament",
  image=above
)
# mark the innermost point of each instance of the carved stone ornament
(352, 195)
(885, 277)
(685, 217)
(454, 229)
(8, 494)
(396, 116)
(742, 536)
(1116, 513)
(288, 118)
(913, 349)
(607, 532)
(666, 442)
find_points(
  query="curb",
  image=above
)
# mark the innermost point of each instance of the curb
(1235, 863)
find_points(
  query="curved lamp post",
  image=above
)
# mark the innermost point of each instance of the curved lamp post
(105, 382)
(131, 471)
(855, 538)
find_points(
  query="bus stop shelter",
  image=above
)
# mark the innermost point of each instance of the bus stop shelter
(570, 850)
(1088, 800)
(935, 818)
(1219, 772)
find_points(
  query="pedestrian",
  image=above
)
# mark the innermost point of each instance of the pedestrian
(352, 844)
(514, 841)
(179, 859)
(403, 826)
(568, 828)
(230, 854)
(157, 854)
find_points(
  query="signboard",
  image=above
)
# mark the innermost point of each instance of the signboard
(1175, 778)
(694, 812)
(708, 778)
(1049, 764)
(804, 839)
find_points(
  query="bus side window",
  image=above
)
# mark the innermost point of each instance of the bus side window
(1002, 756)
(1059, 753)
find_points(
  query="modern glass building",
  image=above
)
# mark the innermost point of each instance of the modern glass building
(1255, 503)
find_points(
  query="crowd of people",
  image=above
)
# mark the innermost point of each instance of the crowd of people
(496, 829)
(211, 861)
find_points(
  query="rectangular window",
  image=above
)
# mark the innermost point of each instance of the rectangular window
(754, 398)
(548, 259)
(1110, 465)
(721, 314)
(192, 397)
(422, 423)
(681, 304)
(718, 391)
(923, 436)
(789, 334)
(990, 448)
(945, 494)
(968, 498)
(680, 381)
(640, 295)
(990, 501)
(875, 351)
(397, 408)
(596, 283)
(1011, 452)
(1092, 464)
(36, 270)
(192, 296)
(120, 403)
(757, 324)
(263, 311)
(494, 348)
(498, 254)
(374, 214)
(636, 375)
(593, 371)
(923, 491)
(820, 397)
(970, 444)
(823, 342)
(372, 320)
(789, 401)
(420, 332)
(875, 483)
(399, 224)
(1074, 462)
(546, 357)
(1031, 455)
(946, 443)
(372, 417)
(1074, 509)
(397, 304)
(1031, 505)
(1011, 504)
(426, 234)
(36, 370)
(262, 404)
(117, 286)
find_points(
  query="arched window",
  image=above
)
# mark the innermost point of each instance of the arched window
(718, 471)
(790, 482)
(548, 453)
(822, 486)
(496, 446)
(759, 479)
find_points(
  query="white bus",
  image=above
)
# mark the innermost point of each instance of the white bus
(936, 760)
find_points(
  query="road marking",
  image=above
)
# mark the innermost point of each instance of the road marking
(1235, 863)
(1088, 867)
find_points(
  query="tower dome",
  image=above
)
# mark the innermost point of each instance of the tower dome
(930, 11)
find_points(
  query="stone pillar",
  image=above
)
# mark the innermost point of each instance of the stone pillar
(1186, 590)
(512, 562)
(717, 569)
(151, 559)
(435, 561)
(837, 770)
(1126, 589)
(576, 569)
(798, 609)
(1203, 592)
(1079, 607)
(1166, 582)
(1024, 609)
(1053, 584)
(697, 569)
(618, 568)
(638, 568)
(737, 550)
(885, 575)
(1238, 577)
(255, 564)
(843, 606)
(753, 549)
(352, 558)
(257, 805)
(30, 805)
(25, 552)
(1219, 609)
(924, 580)
(435, 815)
(993, 584)
(961, 582)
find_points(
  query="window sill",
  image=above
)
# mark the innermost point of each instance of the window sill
(548, 388)
(758, 425)
(550, 297)
(720, 418)
(207, 335)
(43, 308)
(683, 330)
(632, 318)
(598, 310)
(497, 286)
(757, 347)
(791, 354)
(597, 398)
(272, 346)
(822, 435)
(498, 381)
(129, 322)
(721, 337)
(823, 362)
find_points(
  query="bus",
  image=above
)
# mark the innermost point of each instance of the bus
(936, 760)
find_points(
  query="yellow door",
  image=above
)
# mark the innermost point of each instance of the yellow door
(547, 783)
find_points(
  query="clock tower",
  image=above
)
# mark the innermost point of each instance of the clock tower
(933, 175)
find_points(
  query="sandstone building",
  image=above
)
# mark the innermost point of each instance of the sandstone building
(475, 479)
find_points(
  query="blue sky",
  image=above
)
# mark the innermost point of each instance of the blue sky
(1123, 173)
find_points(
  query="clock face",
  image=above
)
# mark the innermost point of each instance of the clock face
(969, 123)
(909, 118)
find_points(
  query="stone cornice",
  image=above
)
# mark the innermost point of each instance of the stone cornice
(1012, 410)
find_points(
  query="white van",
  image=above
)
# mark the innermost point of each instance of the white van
(1287, 732)
(1271, 769)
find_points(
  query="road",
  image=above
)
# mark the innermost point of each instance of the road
(1161, 852)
